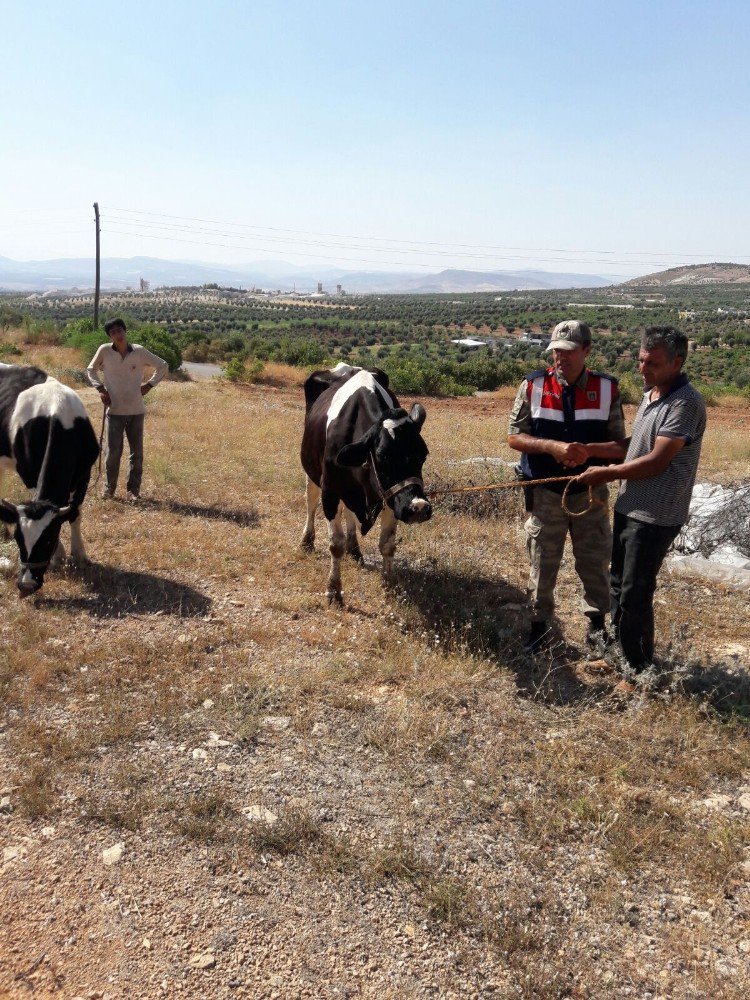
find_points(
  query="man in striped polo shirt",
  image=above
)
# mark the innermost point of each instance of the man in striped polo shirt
(657, 476)
(564, 419)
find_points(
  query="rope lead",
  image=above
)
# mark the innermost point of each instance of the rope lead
(593, 501)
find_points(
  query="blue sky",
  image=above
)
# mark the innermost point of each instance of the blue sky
(578, 136)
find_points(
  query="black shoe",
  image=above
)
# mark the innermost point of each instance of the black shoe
(597, 631)
(538, 637)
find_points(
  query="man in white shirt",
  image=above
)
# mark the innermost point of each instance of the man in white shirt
(116, 372)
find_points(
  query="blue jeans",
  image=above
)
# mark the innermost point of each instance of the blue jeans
(638, 550)
(131, 427)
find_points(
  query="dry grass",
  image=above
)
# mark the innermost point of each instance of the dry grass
(512, 812)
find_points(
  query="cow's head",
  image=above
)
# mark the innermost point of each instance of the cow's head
(37, 531)
(398, 452)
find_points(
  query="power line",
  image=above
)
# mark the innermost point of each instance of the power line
(52, 232)
(275, 250)
(424, 243)
(411, 263)
(286, 240)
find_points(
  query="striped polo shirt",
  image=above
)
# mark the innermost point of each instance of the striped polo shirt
(665, 499)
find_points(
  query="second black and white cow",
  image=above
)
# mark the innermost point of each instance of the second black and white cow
(363, 455)
(47, 437)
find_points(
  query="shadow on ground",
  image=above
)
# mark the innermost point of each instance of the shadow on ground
(487, 617)
(116, 593)
(212, 512)
(723, 686)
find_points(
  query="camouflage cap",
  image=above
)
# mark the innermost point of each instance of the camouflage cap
(569, 334)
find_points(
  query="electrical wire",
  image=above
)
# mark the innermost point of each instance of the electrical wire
(424, 243)
(360, 260)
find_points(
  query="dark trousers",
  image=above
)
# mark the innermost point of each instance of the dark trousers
(132, 428)
(638, 550)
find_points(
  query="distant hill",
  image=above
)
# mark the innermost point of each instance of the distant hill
(695, 274)
(119, 273)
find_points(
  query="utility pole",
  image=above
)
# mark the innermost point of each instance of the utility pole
(98, 268)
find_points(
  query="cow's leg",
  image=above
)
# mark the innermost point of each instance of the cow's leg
(352, 542)
(313, 496)
(58, 556)
(387, 543)
(5, 532)
(337, 546)
(77, 550)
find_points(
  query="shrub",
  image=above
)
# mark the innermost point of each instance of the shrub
(417, 377)
(631, 388)
(298, 352)
(40, 331)
(197, 351)
(81, 335)
(237, 371)
(710, 395)
(158, 341)
(9, 318)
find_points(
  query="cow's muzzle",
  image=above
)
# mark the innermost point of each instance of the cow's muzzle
(418, 510)
(30, 579)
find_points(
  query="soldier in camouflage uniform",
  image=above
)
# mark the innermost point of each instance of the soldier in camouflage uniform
(565, 419)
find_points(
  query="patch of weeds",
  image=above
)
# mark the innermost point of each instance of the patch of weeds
(336, 853)
(54, 744)
(128, 805)
(246, 731)
(408, 735)
(72, 377)
(207, 818)
(294, 831)
(524, 932)
(350, 702)
(709, 855)
(439, 743)
(381, 734)
(120, 726)
(7, 677)
(447, 900)
(645, 827)
(394, 860)
(247, 701)
(127, 814)
(717, 688)
(36, 792)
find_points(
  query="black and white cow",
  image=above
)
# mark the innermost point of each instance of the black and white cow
(363, 456)
(47, 437)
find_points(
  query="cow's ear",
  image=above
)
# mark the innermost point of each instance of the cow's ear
(380, 376)
(353, 455)
(418, 415)
(8, 512)
(69, 513)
